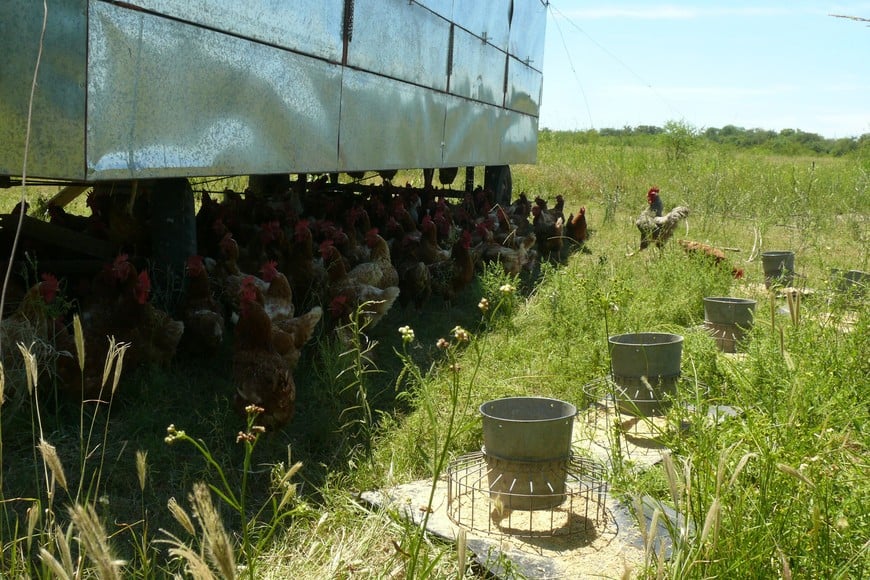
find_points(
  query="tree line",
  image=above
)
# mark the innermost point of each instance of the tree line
(784, 142)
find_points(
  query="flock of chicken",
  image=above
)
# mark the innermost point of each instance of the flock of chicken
(274, 267)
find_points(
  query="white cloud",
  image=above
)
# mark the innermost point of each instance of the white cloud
(703, 91)
(675, 12)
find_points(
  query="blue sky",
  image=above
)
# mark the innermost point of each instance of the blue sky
(764, 64)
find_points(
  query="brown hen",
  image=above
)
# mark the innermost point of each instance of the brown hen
(451, 277)
(380, 256)
(718, 256)
(576, 228)
(290, 334)
(122, 310)
(201, 313)
(261, 375)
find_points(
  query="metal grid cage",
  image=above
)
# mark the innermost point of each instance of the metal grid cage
(642, 399)
(500, 498)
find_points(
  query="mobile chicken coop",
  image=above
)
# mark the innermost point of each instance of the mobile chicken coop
(150, 89)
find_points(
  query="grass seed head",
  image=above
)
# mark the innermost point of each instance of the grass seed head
(142, 467)
(32, 370)
(671, 474)
(95, 541)
(789, 470)
(54, 566)
(32, 519)
(181, 516)
(219, 549)
(711, 522)
(52, 460)
(79, 336)
(196, 566)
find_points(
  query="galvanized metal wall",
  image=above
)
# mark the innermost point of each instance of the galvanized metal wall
(57, 116)
(159, 88)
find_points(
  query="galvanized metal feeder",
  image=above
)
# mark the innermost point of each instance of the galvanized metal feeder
(526, 482)
(850, 282)
(778, 268)
(645, 367)
(728, 320)
(527, 443)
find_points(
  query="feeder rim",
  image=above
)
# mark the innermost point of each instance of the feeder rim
(566, 404)
(613, 338)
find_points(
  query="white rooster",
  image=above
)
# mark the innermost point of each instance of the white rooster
(654, 227)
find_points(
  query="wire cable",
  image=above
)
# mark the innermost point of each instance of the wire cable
(637, 76)
(571, 64)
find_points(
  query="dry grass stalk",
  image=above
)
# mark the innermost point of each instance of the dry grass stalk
(641, 519)
(95, 541)
(711, 523)
(79, 336)
(786, 569)
(772, 309)
(52, 460)
(740, 465)
(32, 519)
(181, 516)
(660, 565)
(793, 297)
(62, 541)
(652, 531)
(720, 468)
(197, 567)
(57, 570)
(671, 474)
(32, 371)
(142, 468)
(289, 489)
(687, 475)
(217, 543)
(115, 358)
(2, 384)
(789, 470)
(627, 570)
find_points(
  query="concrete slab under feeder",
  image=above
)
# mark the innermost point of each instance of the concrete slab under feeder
(640, 440)
(505, 542)
(608, 552)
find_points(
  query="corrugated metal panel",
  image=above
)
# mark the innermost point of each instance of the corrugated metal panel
(387, 124)
(400, 40)
(478, 69)
(519, 141)
(166, 98)
(479, 134)
(471, 134)
(291, 24)
(527, 32)
(523, 88)
(489, 20)
(56, 147)
(210, 87)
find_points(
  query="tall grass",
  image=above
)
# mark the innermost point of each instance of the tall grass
(778, 490)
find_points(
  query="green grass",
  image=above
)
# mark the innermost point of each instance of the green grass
(783, 488)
